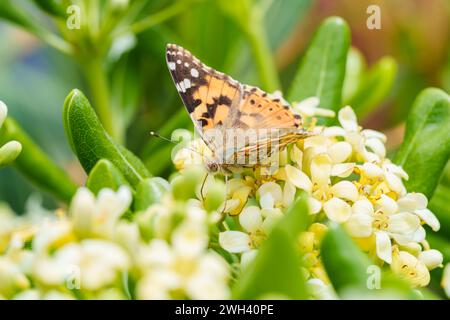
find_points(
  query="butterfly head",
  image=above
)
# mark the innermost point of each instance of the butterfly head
(212, 166)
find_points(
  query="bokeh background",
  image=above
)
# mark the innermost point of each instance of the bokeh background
(35, 78)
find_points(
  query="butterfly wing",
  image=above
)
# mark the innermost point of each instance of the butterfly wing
(260, 110)
(207, 94)
(216, 101)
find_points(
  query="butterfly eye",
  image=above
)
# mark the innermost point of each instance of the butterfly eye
(213, 167)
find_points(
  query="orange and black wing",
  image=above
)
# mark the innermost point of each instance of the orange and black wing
(216, 101)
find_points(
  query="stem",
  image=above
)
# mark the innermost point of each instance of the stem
(158, 17)
(56, 42)
(263, 56)
(99, 89)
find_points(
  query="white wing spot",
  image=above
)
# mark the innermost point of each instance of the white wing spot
(186, 64)
(182, 87)
(179, 61)
(171, 65)
(187, 83)
(194, 73)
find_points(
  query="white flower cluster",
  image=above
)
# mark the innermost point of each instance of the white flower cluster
(94, 253)
(102, 249)
(349, 179)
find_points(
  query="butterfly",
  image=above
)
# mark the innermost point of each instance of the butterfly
(237, 122)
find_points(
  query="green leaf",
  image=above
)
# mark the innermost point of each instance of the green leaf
(374, 87)
(90, 142)
(350, 270)
(439, 206)
(296, 219)
(426, 146)
(53, 7)
(276, 269)
(150, 191)
(292, 11)
(18, 15)
(322, 70)
(34, 164)
(354, 69)
(345, 264)
(105, 175)
(15, 14)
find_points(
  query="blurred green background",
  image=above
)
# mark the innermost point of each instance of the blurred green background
(230, 36)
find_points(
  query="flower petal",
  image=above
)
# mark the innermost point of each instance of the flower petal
(412, 201)
(321, 169)
(371, 170)
(298, 178)
(395, 169)
(359, 225)
(340, 151)
(383, 246)
(363, 206)
(369, 133)
(337, 210)
(377, 147)
(395, 183)
(429, 218)
(235, 241)
(190, 239)
(345, 190)
(270, 194)
(250, 218)
(347, 119)
(403, 223)
(342, 170)
(431, 258)
(314, 205)
(387, 205)
(288, 194)
(446, 280)
(297, 156)
(334, 131)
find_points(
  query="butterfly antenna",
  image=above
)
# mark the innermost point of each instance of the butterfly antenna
(157, 135)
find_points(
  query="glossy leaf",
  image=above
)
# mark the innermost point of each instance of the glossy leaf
(276, 269)
(90, 142)
(150, 191)
(340, 253)
(9, 10)
(354, 70)
(350, 270)
(34, 164)
(375, 85)
(292, 12)
(426, 146)
(53, 7)
(322, 69)
(439, 206)
(296, 219)
(105, 175)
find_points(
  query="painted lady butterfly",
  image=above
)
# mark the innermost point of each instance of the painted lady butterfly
(219, 105)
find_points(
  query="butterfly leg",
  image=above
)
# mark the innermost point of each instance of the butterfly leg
(203, 185)
(223, 214)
